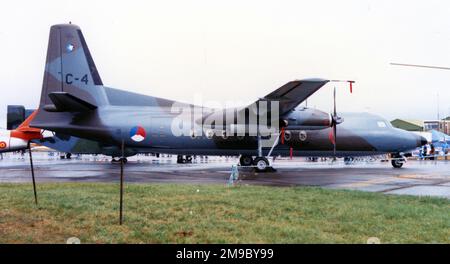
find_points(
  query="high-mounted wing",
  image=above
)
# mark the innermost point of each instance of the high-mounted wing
(294, 93)
(288, 97)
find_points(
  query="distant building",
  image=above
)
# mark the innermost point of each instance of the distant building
(408, 124)
(423, 125)
(431, 125)
(444, 125)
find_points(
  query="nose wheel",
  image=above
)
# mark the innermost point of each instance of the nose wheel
(397, 161)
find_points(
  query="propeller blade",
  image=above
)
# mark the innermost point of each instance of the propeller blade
(32, 173)
(334, 100)
(334, 141)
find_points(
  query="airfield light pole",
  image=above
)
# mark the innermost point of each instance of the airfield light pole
(32, 173)
(121, 184)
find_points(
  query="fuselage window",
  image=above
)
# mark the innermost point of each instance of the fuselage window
(381, 124)
(287, 135)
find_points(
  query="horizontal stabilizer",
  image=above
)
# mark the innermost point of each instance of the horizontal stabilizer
(65, 102)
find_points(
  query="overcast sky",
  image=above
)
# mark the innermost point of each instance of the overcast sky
(242, 50)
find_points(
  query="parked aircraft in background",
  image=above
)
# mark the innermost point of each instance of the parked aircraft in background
(18, 139)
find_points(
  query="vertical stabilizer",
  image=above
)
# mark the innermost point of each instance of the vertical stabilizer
(70, 68)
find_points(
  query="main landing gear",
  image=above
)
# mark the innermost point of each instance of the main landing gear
(184, 159)
(246, 160)
(114, 160)
(261, 163)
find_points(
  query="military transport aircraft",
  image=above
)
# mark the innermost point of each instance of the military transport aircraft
(74, 102)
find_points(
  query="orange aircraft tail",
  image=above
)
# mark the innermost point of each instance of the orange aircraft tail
(24, 131)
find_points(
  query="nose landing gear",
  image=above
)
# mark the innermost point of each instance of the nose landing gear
(397, 160)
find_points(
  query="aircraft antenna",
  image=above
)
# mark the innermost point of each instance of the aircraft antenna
(427, 67)
(420, 66)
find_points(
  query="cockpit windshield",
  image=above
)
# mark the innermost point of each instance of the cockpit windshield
(365, 123)
(381, 124)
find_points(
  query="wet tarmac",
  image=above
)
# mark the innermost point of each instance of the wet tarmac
(422, 178)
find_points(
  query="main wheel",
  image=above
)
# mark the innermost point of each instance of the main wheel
(396, 163)
(246, 160)
(180, 159)
(68, 155)
(348, 160)
(261, 164)
(125, 160)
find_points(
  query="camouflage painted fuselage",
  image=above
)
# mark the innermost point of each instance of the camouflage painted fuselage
(360, 134)
(75, 103)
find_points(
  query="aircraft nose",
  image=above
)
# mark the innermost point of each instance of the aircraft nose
(423, 141)
(420, 140)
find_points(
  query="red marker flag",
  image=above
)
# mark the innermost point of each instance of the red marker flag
(350, 82)
(351, 86)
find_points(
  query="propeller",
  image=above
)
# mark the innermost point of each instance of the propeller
(335, 119)
(32, 172)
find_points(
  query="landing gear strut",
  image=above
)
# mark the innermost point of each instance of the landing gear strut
(262, 163)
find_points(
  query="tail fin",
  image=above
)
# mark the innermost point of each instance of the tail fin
(70, 68)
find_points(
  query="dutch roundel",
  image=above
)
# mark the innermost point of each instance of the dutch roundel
(137, 134)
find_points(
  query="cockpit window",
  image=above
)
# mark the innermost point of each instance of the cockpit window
(365, 123)
(381, 124)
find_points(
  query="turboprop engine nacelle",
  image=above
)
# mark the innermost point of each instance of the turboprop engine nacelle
(308, 119)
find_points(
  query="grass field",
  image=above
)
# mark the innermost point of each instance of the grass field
(163, 213)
